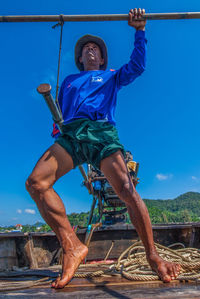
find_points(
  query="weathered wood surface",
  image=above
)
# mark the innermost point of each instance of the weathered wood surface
(8, 257)
(110, 288)
(99, 287)
(29, 249)
(42, 249)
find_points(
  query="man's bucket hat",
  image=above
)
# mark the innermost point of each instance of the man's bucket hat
(87, 39)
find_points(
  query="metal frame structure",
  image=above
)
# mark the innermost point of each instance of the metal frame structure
(109, 204)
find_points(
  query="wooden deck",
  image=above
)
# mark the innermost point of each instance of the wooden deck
(110, 288)
(44, 246)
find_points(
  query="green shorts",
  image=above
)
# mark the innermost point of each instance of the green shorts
(89, 141)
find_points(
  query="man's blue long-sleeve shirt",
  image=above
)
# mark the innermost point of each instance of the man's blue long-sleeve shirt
(93, 94)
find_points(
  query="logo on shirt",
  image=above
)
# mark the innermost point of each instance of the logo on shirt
(97, 79)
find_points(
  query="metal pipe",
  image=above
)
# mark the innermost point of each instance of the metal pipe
(98, 17)
(45, 90)
(91, 212)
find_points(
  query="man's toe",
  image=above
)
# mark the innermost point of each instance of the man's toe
(53, 285)
(166, 278)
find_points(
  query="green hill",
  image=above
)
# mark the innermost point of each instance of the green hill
(184, 208)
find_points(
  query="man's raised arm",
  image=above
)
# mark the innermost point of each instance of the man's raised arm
(135, 67)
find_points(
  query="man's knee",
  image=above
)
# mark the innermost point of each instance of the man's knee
(127, 192)
(36, 186)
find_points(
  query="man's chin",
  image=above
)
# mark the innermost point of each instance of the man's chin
(91, 58)
(92, 62)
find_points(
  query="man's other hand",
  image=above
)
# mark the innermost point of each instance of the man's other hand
(135, 21)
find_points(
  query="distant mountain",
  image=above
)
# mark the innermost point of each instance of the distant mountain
(184, 208)
(189, 200)
(38, 223)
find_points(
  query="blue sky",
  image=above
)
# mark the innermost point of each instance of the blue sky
(157, 115)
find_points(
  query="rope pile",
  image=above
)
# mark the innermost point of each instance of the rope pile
(131, 264)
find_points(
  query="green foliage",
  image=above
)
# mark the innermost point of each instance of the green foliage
(78, 219)
(42, 227)
(29, 228)
(184, 208)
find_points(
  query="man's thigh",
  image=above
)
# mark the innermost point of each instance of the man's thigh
(115, 170)
(53, 164)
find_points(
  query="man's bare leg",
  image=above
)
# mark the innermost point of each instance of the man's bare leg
(53, 164)
(115, 170)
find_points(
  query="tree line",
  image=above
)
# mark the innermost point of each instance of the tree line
(184, 208)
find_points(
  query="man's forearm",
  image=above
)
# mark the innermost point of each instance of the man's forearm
(138, 56)
(135, 67)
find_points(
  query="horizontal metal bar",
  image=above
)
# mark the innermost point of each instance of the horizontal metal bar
(97, 17)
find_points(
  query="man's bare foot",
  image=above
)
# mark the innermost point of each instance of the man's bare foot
(167, 271)
(71, 260)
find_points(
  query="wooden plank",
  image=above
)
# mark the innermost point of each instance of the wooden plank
(8, 255)
(105, 228)
(30, 253)
(108, 281)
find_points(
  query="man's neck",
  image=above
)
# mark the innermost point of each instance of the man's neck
(91, 69)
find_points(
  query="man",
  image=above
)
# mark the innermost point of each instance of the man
(88, 101)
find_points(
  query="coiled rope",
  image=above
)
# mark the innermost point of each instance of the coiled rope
(132, 264)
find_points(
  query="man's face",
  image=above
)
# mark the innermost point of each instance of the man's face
(91, 57)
